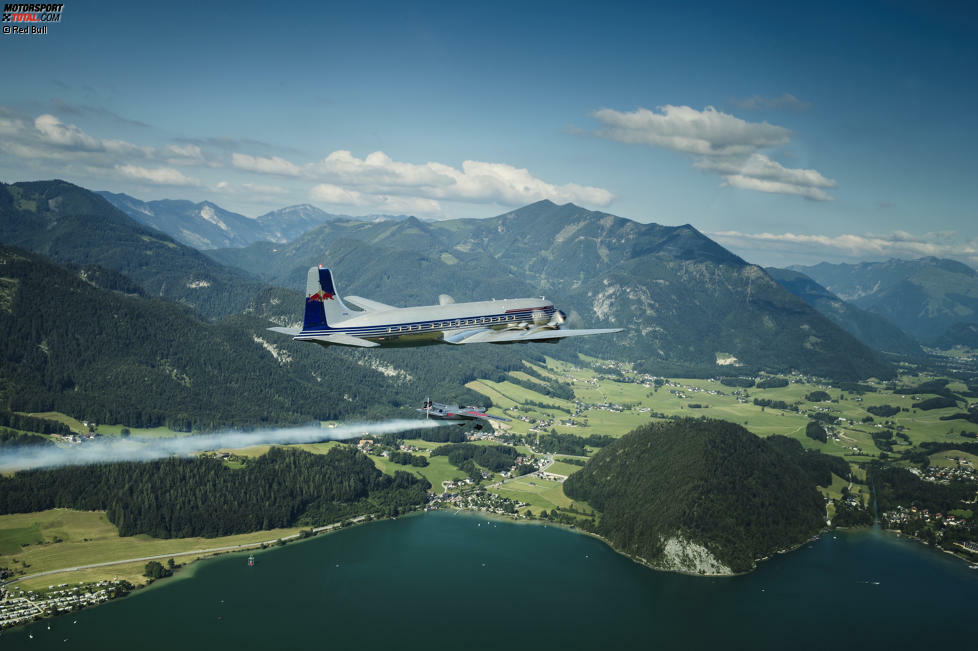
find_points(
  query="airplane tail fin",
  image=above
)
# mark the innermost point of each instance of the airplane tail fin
(323, 305)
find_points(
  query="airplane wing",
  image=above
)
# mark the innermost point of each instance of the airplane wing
(339, 339)
(479, 414)
(489, 336)
(367, 304)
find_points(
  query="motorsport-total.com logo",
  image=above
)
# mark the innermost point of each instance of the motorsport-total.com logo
(29, 18)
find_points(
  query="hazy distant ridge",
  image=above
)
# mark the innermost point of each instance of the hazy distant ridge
(924, 297)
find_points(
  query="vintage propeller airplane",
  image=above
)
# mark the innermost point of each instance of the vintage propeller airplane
(438, 411)
(328, 321)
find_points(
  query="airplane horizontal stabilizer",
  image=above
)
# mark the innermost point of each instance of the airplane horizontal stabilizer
(292, 332)
(339, 339)
(368, 305)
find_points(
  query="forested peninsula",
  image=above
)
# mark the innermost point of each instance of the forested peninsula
(701, 496)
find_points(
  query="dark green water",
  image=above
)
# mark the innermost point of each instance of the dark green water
(443, 581)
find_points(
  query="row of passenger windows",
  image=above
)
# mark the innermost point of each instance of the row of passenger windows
(453, 324)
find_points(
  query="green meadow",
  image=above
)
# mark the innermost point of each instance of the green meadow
(59, 538)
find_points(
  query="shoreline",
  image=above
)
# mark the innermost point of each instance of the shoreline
(572, 529)
(641, 561)
(189, 569)
(956, 554)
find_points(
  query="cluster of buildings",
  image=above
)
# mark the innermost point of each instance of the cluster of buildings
(683, 390)
(964, 471)
(20, 607)
(480, 500)
(902, 515)
(365, 445)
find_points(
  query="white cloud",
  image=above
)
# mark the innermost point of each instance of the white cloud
(158, 176)
(708, 132)
(48, 138)
(775, 187)
(376, 182)
(55, 132)
(381, 176)
(185, 155)
(719, 142)
(265, 165)
(898, 244)
(337, 196)
(334, 194)
(760, 166)
(476, 181)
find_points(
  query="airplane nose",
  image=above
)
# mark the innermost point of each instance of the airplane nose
(561, 316)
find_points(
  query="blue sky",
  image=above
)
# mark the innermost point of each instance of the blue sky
(789, 134)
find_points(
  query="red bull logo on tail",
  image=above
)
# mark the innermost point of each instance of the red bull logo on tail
(321, 296)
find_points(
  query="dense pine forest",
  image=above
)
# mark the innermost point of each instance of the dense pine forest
(178, 498)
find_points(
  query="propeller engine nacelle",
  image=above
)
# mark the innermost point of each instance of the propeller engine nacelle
(558, 319)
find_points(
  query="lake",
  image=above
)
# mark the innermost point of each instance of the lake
(443, 581)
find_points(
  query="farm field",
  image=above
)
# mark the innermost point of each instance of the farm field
(540, 494)
(59, 538)
(614, 404)
(611, 399)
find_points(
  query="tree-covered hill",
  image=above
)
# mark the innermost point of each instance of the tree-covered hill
(959, 334)
(73, 225)
(699, 495)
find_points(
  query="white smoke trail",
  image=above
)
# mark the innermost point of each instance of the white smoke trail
(108, 450)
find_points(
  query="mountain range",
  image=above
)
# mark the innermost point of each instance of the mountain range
(687, 304)
(205, 225)
(924, 297)
(72, 225)
(870, 328)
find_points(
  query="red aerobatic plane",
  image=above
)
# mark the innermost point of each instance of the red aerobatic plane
(439, 411)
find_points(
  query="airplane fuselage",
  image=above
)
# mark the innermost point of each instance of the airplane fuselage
(423, 325)
(329, 322)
